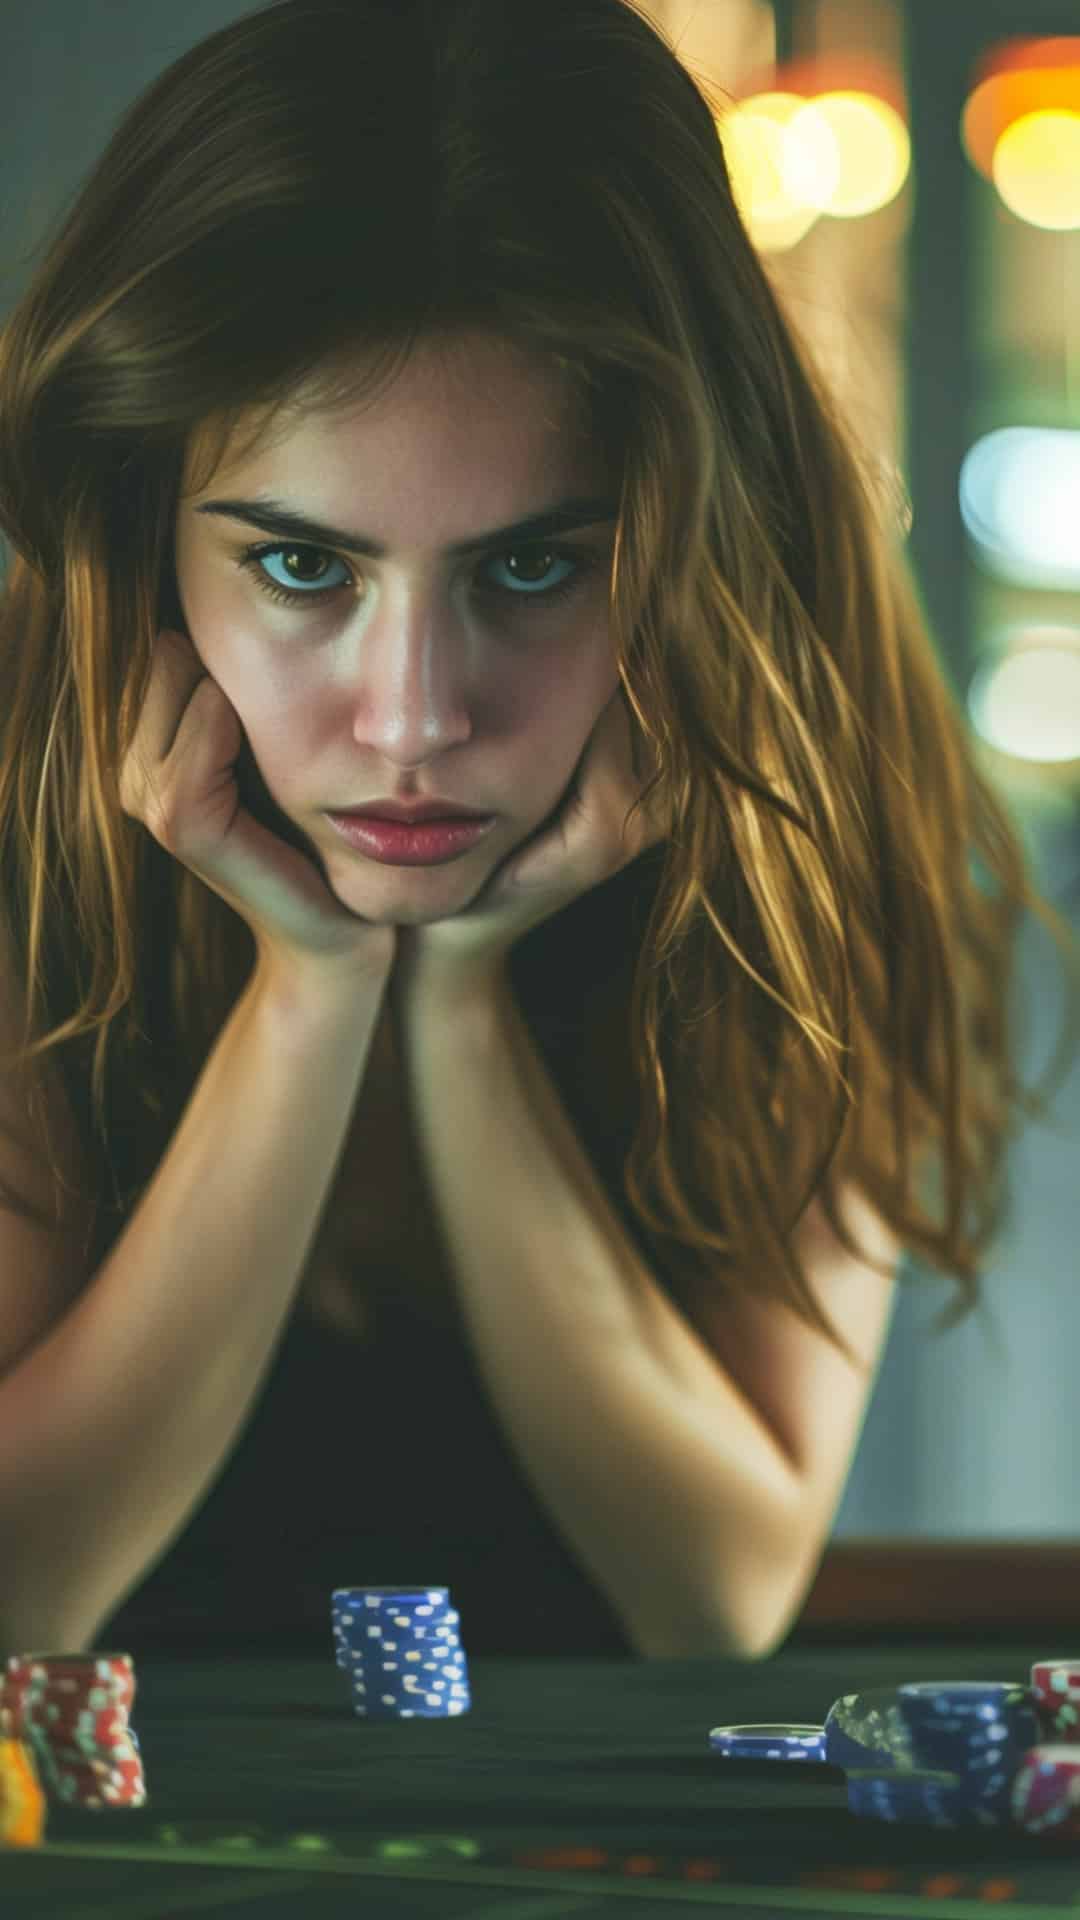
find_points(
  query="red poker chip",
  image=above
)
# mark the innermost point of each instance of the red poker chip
(124, 1764)
(117, 1667)
(1056, 1686)
(55, 1684)
(89, 1688)
(83, 1780)
(73, 1789)
(1046, 1791)
(81, 1729)
(112, 1670)
(93, 1730)
(72, 1709)
(52, 1683)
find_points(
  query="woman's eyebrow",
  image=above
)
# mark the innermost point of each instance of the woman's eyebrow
(276, 516)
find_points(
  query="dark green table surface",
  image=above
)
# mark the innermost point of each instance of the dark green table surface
(573, 1787)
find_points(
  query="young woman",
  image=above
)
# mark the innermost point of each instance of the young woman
(402, 415)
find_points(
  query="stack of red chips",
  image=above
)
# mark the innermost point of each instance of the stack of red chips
(1046, 1789)
(72, 1711)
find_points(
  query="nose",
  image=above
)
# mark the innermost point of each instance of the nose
(415, 695)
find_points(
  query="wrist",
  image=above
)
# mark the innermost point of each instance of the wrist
(302, 991)
(426, 987)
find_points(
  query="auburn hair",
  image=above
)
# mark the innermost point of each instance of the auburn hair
(820, 991)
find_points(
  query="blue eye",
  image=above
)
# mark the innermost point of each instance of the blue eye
(582, 561)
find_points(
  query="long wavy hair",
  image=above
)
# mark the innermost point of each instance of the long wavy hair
(820, 993)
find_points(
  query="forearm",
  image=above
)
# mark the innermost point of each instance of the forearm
(653, 1466)
(112, 1427)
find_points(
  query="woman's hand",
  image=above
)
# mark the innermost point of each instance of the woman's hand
(579, 848)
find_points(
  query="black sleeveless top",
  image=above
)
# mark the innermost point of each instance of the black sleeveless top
(379, 1461)
(366, 1465)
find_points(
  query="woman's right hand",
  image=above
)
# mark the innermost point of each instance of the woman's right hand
(180, 781)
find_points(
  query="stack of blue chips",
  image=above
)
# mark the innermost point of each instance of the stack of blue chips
(940, 1753)
(921, 1799)
(402, 1652)
(957, 1745)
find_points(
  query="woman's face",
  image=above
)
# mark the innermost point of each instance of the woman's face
(418, 673)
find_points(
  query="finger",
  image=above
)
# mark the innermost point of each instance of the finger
(175, 673)
(643, 760)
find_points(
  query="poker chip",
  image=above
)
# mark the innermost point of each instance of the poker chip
(977, 1730)
(768, 1743)
(980, 1730)
(72, 1711)
(954, 1753)
(922, 1797)
(1045, 1796)
(401, 1651)
(22, 1802)
(1055, 1684)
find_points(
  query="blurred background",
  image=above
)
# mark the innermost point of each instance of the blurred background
(910, 173)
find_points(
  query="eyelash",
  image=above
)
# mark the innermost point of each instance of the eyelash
(585, 563)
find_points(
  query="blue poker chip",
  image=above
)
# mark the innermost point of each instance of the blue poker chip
(868, 1730)
(924, 1798)
(768, 1743)
(981, 1729)
(401, 1652)
(977, 1730)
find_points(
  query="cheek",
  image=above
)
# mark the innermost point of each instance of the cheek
(279, 713)
(274, 704)
(282, 723)
(549, 707)
(567, 687)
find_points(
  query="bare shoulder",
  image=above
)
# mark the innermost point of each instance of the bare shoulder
(41, 1269)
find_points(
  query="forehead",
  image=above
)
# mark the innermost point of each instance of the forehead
(464, 402)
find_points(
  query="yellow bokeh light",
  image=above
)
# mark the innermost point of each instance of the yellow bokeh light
(752, 134)
(1036, 169)
(871, 151)
(792, 160)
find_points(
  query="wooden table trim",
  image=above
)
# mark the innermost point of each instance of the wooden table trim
(907, 1584)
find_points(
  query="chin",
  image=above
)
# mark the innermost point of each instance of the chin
(458, 889)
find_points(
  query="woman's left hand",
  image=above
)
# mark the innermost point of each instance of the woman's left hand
(580, 848)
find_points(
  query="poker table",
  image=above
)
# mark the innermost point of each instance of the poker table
(571, 1787)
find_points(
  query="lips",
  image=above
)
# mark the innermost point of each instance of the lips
(422, 843)
(409, 816)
